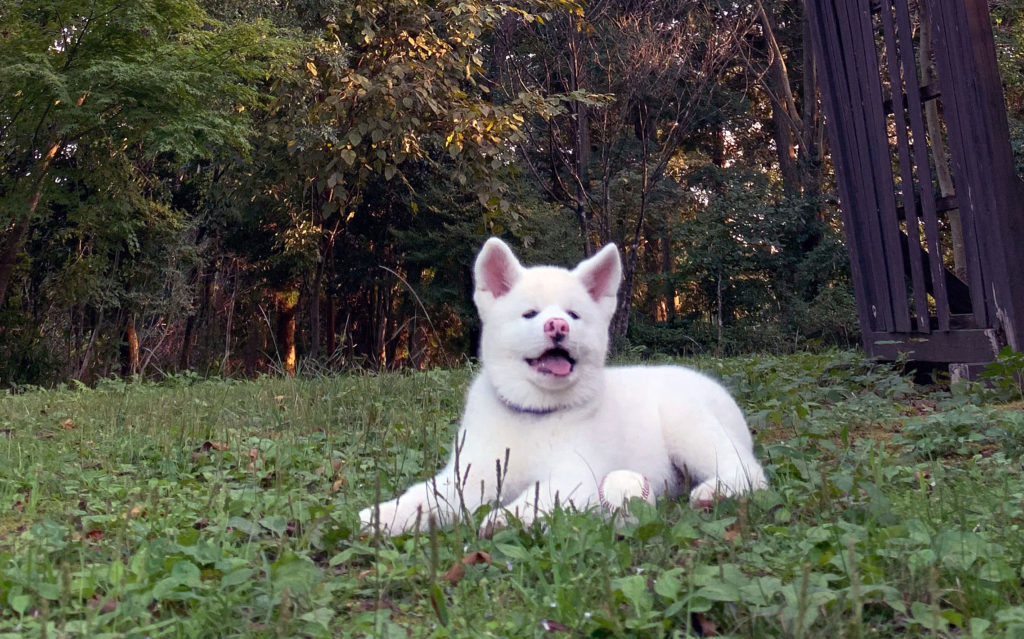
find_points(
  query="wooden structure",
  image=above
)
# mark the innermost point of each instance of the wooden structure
(899, 227)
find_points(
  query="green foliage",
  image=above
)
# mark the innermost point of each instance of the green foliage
(1006, 374)
(176, 166)
(223, 508)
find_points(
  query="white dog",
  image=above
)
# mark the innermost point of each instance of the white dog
(545, 420)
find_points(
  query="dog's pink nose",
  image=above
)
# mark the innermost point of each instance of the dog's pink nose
(556, 328)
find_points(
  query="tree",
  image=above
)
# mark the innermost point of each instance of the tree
(96, 95)
(660, 66)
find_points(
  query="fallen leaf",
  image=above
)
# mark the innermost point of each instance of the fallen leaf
(553, 626)
(706, 627)
(105, 606)
(68, 424)
(458, 570)
(477, 557)
(455, 574)
(208, 445)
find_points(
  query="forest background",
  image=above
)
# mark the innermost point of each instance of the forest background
(243, 186)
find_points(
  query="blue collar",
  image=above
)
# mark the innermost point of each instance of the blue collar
(526, 410)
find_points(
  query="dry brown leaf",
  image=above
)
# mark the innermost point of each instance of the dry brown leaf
(707, 627)
(553, 626)
(455, 574)
(477, 557)
(105, 606)
(68, 424)
(208, 445)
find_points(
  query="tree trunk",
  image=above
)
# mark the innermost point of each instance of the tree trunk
(83, 369)
(668, 288)
(254, 344)
(620, 321)
(185, 358)
(331, 325)
(314, 311)
(15, 239)
(224, 369)
(287, 303)
(785, 117)
(9, 251)
(129, 348)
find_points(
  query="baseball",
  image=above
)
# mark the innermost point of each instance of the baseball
(619, 486)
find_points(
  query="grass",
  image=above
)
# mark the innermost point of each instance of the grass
(197, 508)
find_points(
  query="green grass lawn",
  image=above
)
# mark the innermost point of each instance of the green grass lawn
(225, 508)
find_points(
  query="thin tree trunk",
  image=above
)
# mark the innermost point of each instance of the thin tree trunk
(228, 325)
(332, 321)
(129, 348)
(669, 289)
(87, 356)
(185, 360)
(720, 319)
(314, 311)
(287, 304)
(253, 344)
(16, 235)
(785, 117)
(620, 322)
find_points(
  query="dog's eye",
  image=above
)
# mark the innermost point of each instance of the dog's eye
(573, 314)
(530, 314)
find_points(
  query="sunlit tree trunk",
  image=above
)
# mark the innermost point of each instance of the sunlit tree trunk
(129, 348)
(287, 303)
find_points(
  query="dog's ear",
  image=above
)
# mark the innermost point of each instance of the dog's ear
(496, 270)
(601, 274)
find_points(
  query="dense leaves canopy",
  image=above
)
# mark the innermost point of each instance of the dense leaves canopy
(243, 185)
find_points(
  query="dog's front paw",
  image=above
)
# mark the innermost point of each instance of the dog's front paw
(708, 493)
(381, 516)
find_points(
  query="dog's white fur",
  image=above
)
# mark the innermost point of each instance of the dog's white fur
(552, 437)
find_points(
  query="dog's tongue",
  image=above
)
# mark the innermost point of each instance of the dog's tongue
(554, 363)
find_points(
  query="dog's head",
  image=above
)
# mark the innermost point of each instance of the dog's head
(545, 329)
